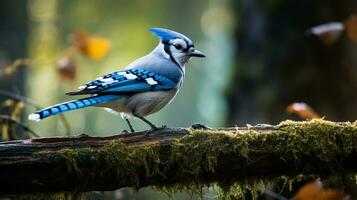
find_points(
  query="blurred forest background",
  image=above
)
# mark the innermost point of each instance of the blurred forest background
(261, 58)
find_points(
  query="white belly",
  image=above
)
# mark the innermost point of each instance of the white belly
(144, 103)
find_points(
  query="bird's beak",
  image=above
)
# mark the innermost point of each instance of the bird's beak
(196, 53)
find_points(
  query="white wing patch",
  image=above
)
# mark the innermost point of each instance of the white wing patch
(121, 73)
(107, 80)
(130, 76)
(107, 83)
(151, 81)
(92, 87)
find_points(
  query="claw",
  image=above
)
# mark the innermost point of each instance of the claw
(124, 131)
(200, 126)
(83, 135)
(153, 129)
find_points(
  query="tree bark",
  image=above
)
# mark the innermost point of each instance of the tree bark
(177, 156)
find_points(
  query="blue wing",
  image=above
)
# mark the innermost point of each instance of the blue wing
(126, 82)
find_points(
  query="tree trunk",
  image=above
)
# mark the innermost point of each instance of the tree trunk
(177, 157)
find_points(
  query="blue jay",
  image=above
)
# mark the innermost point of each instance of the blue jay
(143, 88)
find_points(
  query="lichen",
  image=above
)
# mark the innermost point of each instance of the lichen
(184, 164)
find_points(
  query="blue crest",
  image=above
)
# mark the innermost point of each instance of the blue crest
(166, 34)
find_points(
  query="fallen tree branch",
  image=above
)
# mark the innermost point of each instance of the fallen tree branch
(177, 157)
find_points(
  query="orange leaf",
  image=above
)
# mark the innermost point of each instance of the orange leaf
(309, 191)
(303, 110)
(66, 67)
(93, 47)
(332, 194)
(328, 33)
(80, 40)
(314, 191)
(97, 47)
(351, 28)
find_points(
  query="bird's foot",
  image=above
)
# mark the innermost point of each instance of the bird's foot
(153, 129)
(132, 130)
(83, 135)
(126, 131)
(200, 126)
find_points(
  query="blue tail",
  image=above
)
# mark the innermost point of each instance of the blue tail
(71, 105)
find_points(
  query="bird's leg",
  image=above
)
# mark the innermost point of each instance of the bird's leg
(129, 124)
(153, 127)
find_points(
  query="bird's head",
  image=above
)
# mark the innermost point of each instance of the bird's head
(176, 46)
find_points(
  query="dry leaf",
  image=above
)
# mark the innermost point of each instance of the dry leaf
(333, 194)
(314, 191)
(303, 110)
(93, 47)
(328, 33)
(309, 191)
(351, 28)
(66, 67)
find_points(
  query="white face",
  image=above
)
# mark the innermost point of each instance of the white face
(179, 51)
(178, 45)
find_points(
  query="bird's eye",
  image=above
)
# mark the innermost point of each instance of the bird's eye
(178, 46)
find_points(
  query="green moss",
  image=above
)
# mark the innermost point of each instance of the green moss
(328, 141)
(186, 162)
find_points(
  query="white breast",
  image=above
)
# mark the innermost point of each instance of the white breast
(144, 103)
(147, 103)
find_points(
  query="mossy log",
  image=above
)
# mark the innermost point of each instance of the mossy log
(177, 157)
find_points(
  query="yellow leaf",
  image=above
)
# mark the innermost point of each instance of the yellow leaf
(93, 47)
(97, 47)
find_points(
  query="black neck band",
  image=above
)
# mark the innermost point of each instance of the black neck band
(167, 50)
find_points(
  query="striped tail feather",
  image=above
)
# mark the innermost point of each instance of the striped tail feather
(71, 105)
